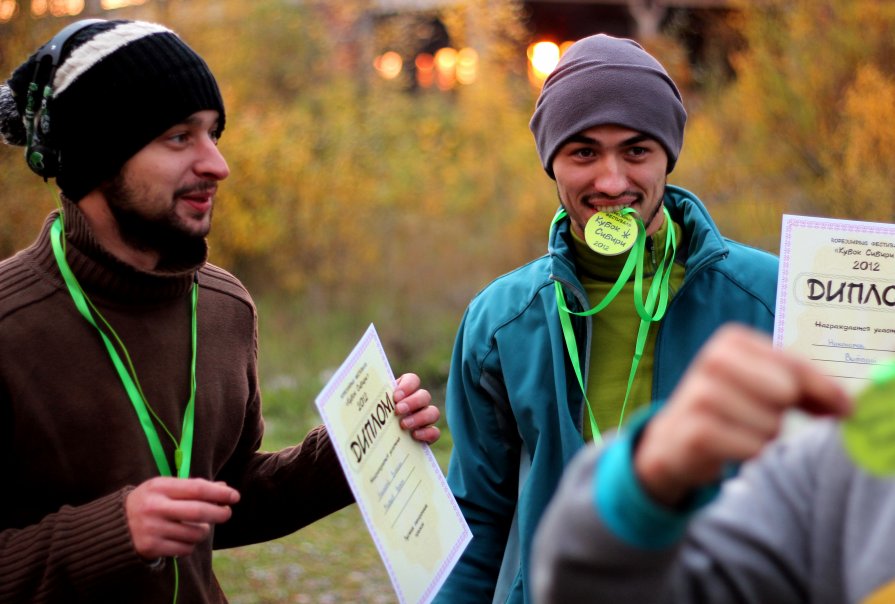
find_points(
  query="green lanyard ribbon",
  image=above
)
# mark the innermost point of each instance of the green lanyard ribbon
(650, 311)
(128, 375)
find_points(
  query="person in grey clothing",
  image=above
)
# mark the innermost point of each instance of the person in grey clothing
(643, 518)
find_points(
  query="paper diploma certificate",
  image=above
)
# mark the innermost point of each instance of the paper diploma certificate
(399, 487)
(836, 295)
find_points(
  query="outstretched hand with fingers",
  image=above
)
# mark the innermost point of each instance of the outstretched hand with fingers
(727, 407)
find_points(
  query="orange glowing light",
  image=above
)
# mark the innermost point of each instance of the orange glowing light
(425, 69)
(445, 59)
(543, 57)
(389, 64)
(467, 65)
(8, 10)
(57, 8)
(445, 63)
(110, 4)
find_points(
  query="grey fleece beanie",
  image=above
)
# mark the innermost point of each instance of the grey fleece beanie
(605, 80)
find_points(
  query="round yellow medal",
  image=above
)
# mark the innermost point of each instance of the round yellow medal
(610, 233)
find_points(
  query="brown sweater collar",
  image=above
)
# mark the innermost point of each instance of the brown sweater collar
(102, 274)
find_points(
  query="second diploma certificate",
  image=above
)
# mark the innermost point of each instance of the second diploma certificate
(836, 295)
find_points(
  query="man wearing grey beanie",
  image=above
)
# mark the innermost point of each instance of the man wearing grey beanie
(129, 388)
(636, 279)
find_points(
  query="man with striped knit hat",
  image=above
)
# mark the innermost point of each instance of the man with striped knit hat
(130, 409)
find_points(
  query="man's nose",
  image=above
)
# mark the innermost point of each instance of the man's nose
(211, 163)
(610, 178)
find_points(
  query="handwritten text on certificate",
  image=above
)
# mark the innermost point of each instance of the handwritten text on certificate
(400, 490)
(836, 295)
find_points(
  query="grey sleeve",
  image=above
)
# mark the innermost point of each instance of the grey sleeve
(754, 544)
(576, 558)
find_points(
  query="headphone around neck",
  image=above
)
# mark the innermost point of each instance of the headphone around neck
(40, 154)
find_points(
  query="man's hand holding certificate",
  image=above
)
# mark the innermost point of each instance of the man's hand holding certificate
(400, 490)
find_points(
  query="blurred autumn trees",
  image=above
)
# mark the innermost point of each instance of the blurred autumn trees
(350, 191)
(808, 124)
(341, 179)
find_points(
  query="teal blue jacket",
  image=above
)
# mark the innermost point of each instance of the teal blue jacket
(514, 406)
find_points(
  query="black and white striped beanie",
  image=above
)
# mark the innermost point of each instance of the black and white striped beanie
(118, 86)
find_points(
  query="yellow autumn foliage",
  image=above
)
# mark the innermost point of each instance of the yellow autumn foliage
(805, 126)
(345, 182)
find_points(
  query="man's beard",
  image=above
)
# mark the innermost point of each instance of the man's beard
(163, 233)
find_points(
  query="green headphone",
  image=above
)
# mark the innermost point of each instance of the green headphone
(40, 154)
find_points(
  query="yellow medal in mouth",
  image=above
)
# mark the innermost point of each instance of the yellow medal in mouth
(611, 233)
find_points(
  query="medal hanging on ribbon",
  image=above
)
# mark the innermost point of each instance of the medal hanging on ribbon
(621, 238)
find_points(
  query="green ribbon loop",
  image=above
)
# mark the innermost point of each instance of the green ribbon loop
(650, 310)
(127, 373)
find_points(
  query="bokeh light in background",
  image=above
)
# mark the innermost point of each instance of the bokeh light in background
(389, 65)
(467, 65)
(445, 63)
(58, 8)
(542, 59)
(425, 69)
(444, 70)
(110, 4)
(8, 10)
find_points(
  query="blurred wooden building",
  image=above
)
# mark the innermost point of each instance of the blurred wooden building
(638, 19)
(691, 36)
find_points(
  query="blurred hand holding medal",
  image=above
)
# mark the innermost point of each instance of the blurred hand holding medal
(869, 434)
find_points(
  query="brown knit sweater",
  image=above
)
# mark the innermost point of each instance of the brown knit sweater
(71, 446)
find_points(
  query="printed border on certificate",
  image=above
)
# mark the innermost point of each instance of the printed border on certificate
(845, 261)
